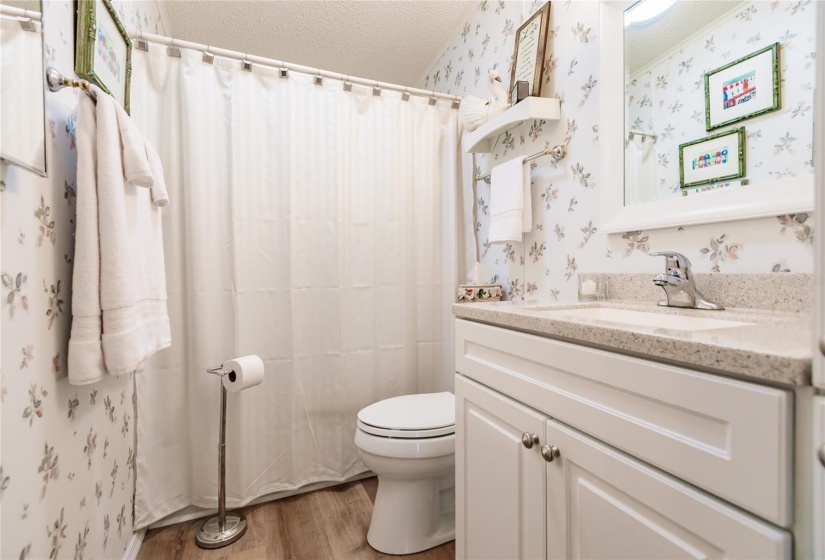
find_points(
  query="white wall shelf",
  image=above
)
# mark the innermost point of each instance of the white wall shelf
(482, 139)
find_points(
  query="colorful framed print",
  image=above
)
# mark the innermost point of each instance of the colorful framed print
(103, 51)
(713, 159)
(743, 89)
(528, 51)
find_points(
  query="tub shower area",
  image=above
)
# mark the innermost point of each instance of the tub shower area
(314, 225)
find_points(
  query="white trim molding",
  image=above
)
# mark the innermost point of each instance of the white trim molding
(133, 547)
(757, 200)
(819, 223)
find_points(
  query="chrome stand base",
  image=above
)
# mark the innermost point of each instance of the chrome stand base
(210, 535)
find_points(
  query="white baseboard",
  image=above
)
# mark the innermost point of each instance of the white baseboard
(133, 547)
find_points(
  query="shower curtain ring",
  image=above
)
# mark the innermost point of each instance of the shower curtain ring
(246, 64)
(172, 49)
(347, 84)
(376, 91)
(405, 95)
(319, 80)
(208, 57)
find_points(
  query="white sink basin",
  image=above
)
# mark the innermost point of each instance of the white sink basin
(643, 318)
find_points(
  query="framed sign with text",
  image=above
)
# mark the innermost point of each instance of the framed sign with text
(717, 158)
(103, 50)
(528, 52)
(743, 89)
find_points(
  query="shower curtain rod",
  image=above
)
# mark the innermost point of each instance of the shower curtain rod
(140, 36)
(633, 133)
(25, 17)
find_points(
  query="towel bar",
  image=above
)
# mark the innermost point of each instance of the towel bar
(556, 152)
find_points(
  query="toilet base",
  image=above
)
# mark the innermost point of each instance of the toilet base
(412, 515)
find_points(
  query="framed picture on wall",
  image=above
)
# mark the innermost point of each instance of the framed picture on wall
(528, 52)
(743, 89)
(716, 158)
(103, 51)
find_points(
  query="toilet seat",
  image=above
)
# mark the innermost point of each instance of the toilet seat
(406, 434)
(410, 416)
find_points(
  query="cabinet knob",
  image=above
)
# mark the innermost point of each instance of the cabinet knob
(549, 452)
(529, 440)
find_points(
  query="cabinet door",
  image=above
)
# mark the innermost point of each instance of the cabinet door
(499, 482)
(604, 504)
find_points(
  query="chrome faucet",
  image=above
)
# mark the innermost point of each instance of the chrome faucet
(677, 282)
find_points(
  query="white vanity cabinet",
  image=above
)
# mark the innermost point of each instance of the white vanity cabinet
(564, 451)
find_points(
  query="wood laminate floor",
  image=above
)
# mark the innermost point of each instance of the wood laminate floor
(330, 523)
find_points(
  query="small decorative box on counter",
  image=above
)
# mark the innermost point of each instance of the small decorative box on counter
(481, 292)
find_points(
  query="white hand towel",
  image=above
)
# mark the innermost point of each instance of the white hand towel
(511, 209)
(141, 163)
(159, 194)
(120, 306)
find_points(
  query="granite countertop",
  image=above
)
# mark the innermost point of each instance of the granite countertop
(773, 346)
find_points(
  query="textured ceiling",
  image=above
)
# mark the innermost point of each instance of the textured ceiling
(389, 40)
(648, 40)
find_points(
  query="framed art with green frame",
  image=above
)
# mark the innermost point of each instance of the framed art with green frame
(103, 51)
(713, 159)
(743, 89)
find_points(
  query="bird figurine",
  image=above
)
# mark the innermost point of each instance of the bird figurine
(474, 111)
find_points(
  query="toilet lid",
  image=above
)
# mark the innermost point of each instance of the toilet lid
(417, 413)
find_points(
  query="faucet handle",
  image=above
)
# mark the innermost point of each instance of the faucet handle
(673, 260)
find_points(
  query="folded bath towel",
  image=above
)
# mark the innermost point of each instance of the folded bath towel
(119, 315)
(85, 350)
(511, 210)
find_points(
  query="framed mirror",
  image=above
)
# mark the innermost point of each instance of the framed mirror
(22, 87)
(706, 111)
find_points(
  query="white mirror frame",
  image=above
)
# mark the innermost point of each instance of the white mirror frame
(789, 195)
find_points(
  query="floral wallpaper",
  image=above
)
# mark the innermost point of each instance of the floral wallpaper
(565, 239)
(67, 464)
(668, 97)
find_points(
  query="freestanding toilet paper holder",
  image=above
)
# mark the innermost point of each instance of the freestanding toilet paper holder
(224, 528)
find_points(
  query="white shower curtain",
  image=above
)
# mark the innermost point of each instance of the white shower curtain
(313, 227)
(640, 171)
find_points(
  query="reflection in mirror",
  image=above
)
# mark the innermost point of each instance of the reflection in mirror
(682, 137)
(22, 93)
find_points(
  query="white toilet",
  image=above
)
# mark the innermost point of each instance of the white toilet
(409, 442)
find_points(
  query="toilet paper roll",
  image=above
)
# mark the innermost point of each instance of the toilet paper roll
(245, 372)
